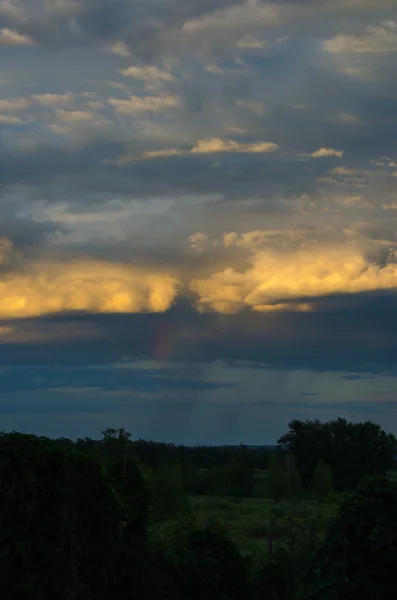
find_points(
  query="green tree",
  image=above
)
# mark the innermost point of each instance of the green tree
(293, 478)
(322, 482)
(168, 492)
(276, 482)
(359, 555)
(210, 567)
(127, 478)
(190, 476)
(352, 450)
(242, 479)
(217, 481)
(59, 521)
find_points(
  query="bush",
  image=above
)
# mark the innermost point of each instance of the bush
(359, 555)
(209, 566)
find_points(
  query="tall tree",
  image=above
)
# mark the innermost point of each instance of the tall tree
(353, 451)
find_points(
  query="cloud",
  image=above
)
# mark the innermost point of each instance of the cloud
(391, 206)
(346, 118)
(208, 146)
(382, 39)
(356, 377)
(256, 107)
(234, 19)
(327, 152)
(197, 241)
(73, 116)
(9, 120)
(137, 104)
(148, 73)
(13, 105)
(83, 285)
(8, 37)
(54, 99)
(249, 42)
(119, 48)
(277, 281)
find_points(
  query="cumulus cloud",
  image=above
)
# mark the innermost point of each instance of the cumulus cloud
(138, 104)
(54, 99)
(83, 285)
(381, 39)
(10, 120)
(8, 37)
(249, 42)
(234, 19)
(119, 48)
(277, 280)
(327, 152)
(73, 116)
(197, 241)
(149, 73)
(13, 105)
(208, 146)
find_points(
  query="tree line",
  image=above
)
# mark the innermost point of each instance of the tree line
(76, 517)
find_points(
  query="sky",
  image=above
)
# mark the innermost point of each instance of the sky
(198, 210)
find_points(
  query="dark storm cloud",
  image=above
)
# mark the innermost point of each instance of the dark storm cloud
(356, 377)
(29, 378)
(358, 335)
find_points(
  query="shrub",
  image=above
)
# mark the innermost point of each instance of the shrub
(359, 555)
(209, 566)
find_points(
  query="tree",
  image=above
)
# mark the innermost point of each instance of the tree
(242, 479)
(276, 480)
(359, 555)
(127, 478)
(322, 481)
(59, 521)
(168, 492)
(353, 451)
(303, 441)
(210, 567)
(217, 481)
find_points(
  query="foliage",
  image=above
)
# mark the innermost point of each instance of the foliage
(210, 567)
(127, 479)
(276, 482)
(352, 450)
(299, 530)
(168, 492)
(322, 481)
(284, 480)
(242, 478)
(216, 481)
(360, 551)
(167, 536)
(58, 523)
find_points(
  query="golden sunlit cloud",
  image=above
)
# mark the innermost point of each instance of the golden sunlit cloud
(9, 37)
(137, 104)
(207, 146)
(382, 39)
(147, 73)
(327, 152)
(84, 285)
(274, 280)
(54, 99)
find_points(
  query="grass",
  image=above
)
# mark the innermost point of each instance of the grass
(247, 520)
